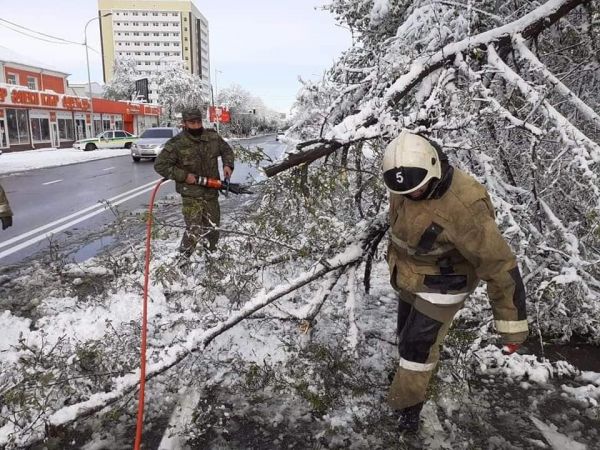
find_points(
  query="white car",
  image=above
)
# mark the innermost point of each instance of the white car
(107, 139)
(151, 142)
(280, 134)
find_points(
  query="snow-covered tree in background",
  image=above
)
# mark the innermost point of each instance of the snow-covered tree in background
(247, 111)
(510, 89)
(178, 89)
(122, 84)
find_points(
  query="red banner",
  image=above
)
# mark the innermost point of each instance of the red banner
(218, 114)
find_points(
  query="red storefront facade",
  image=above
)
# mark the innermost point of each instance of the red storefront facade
(35, 111)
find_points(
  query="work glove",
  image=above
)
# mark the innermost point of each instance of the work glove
(509, 349)
(6, 222)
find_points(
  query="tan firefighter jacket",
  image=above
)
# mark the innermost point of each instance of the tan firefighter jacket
(185, 154)
(5, 210)
(441, 247)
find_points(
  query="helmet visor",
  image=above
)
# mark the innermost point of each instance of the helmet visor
(403, 180)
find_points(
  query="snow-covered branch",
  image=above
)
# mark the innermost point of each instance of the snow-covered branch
(528, 56)
(356, 126)
(570, 134)
(196, 341)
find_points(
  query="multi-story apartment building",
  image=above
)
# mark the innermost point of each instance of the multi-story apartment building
(153, 33)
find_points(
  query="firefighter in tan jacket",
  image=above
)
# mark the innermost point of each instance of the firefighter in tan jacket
(443, 241)
(6, 214)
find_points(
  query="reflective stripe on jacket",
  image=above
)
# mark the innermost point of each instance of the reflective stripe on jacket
(440, 248)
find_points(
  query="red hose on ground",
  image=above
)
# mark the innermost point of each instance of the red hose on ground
(140, 413)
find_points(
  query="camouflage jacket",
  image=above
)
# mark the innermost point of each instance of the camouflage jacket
(185, 154)
(441, 247)
(5, 210)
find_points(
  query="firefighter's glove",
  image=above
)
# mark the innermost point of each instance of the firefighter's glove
(509, 349)
(236, 188)
(6, 222)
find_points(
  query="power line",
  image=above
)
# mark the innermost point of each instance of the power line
(66, 42)
(31, 36)
(39, 32)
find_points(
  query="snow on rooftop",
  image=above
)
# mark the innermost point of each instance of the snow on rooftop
(8, 55)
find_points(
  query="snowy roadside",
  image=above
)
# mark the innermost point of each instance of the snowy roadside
(16, 162)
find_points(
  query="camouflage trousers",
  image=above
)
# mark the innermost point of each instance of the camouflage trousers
(422, 327)
(201, 216)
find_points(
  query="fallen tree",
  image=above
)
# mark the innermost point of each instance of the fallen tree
(367, 235)
(528, 27)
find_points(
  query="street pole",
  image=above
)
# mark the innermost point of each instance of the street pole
(87, 60)
(217, 97)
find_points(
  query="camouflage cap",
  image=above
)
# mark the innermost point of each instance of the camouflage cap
(192, 113)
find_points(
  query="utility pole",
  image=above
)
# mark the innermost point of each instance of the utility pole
(87, 60)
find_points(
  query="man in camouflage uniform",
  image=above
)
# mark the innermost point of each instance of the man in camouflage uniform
(5, 211)
(191, 154)
(443, 241)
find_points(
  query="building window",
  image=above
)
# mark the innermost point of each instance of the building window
(66, 131)
(166, 44)
(185, 29)
(134, 14)
(146, 34)
(155, 24)
(106, 124)
(40, 130)
(125, 14)
(136, 33)
(18, 130)
(144, 14)
(119, 23)
(155, 14)
(11, 78)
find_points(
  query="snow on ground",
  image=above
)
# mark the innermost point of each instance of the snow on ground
(269, 382)
(52, 157)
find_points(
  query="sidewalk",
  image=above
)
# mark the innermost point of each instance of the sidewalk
(52, 157)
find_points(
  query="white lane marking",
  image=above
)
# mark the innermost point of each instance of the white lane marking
(104, 207)
(51, 182)
(108, 168)
(71, 216)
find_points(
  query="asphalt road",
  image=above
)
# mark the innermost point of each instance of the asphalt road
(66, 207)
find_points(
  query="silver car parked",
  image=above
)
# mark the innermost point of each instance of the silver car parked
(151, 142)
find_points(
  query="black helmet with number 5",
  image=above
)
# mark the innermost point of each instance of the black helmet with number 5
(409, 162)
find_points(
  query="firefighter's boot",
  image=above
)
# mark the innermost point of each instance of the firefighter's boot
(408, 419)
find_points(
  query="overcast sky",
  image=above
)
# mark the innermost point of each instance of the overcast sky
(262, 45)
